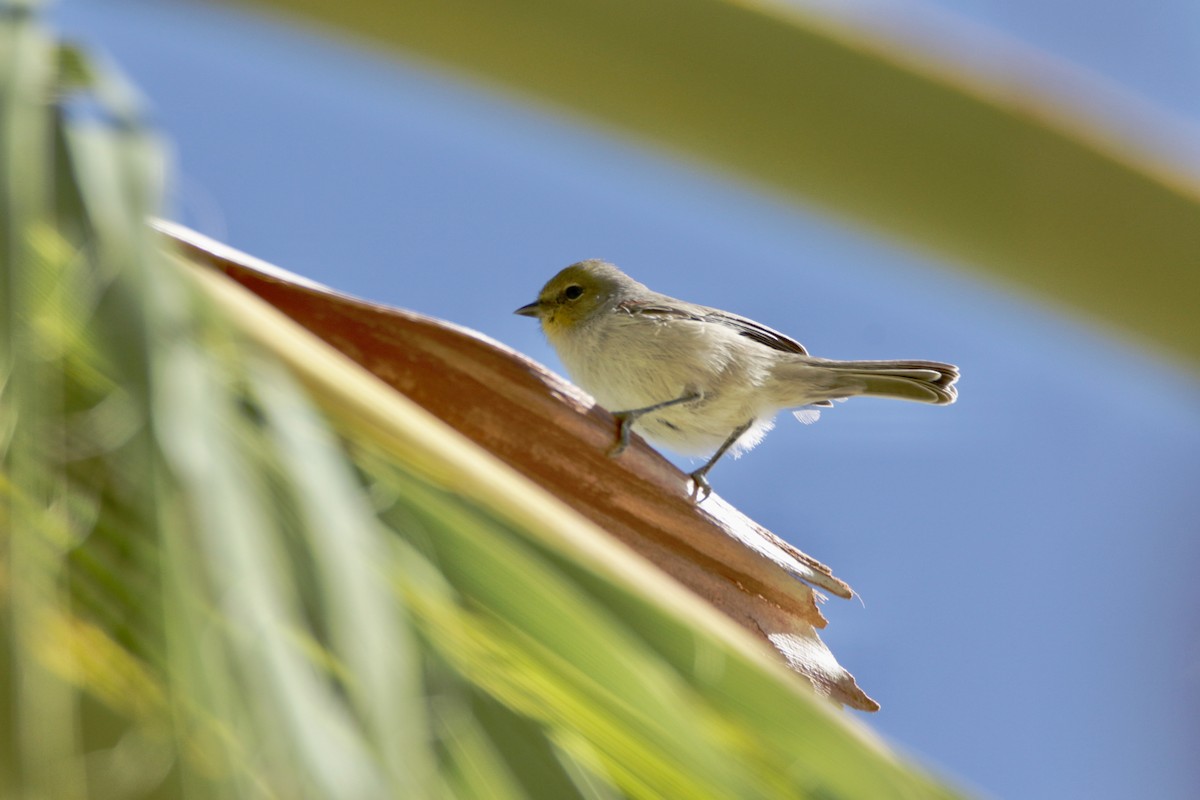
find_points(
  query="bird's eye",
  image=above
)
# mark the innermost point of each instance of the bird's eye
(573, 292)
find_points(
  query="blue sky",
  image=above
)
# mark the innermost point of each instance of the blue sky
(1025, 556)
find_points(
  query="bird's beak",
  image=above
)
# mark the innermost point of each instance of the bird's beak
(534, 309)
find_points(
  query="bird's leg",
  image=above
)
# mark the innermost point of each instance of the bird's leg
(625, 419)
(701, 488)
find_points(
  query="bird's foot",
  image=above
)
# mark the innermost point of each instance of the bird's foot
(624, 423)
(701, 488)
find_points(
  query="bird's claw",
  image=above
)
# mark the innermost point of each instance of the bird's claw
(701, 488)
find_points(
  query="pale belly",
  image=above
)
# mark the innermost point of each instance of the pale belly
(627, 370)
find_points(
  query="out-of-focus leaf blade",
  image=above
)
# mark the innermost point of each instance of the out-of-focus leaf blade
(994, 172)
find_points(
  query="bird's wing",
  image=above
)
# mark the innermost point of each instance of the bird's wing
(745, 327)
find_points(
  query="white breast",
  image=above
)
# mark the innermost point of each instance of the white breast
(635, 362)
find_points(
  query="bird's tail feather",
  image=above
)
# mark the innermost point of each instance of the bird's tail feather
(920, 381)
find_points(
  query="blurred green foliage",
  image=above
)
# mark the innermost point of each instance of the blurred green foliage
(983, 174)
(211, 587)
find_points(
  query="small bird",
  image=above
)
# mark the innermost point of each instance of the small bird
(699, 380)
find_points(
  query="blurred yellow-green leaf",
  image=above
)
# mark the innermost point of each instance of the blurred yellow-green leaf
(990, 173)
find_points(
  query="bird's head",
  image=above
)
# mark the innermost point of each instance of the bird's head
(577, 294)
